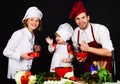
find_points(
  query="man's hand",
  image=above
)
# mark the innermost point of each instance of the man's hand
(84, 46)
(80, 59)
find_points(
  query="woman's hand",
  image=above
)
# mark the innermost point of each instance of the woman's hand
(37, 48)
(26, 56)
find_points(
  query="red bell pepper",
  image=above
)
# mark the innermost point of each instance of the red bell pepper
(34, 54)
(24, 80)
(81, 54)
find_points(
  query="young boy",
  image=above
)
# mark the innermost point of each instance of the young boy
(62, 51)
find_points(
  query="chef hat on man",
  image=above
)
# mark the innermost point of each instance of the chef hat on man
(33, 12)
(77, 8)
(65, 31)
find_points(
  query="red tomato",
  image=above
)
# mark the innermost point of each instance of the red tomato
(28, 73)
(73, 78)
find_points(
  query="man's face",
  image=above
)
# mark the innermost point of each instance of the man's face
(82, 20)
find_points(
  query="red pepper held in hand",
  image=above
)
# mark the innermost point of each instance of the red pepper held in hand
(81, 54)
(34, 54)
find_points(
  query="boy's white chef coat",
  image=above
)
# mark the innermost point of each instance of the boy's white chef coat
(60, 53)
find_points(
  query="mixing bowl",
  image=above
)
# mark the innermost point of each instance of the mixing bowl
(61, 71)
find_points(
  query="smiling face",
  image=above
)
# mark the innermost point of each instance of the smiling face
(59, 39)
(32, 23)
(82, 20)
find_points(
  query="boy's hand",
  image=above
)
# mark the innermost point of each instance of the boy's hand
(49, 40)
(66, 60)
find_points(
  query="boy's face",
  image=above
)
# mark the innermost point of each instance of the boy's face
(59, 39)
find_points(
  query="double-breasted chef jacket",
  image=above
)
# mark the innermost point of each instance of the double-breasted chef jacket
(20, 42)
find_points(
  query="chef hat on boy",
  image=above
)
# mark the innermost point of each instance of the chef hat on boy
(33, 12)
(77, 8)
(65, 31)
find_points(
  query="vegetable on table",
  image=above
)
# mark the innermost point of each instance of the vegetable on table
(100, 77)
(25, 77)
(24, 80)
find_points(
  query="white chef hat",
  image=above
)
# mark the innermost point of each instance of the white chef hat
(33, 12)
(65, 31)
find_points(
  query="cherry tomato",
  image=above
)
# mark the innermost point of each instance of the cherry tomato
(73, 78)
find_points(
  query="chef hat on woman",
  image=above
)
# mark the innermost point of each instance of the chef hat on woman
(65, 31)
(33, 12)
(77, 8)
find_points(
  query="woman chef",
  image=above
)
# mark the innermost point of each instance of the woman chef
(21, 43)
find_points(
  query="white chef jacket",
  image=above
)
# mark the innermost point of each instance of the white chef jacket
(20, 42)
(61, 51)
(101, 34)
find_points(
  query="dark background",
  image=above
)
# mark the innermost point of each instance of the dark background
(55, 12)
